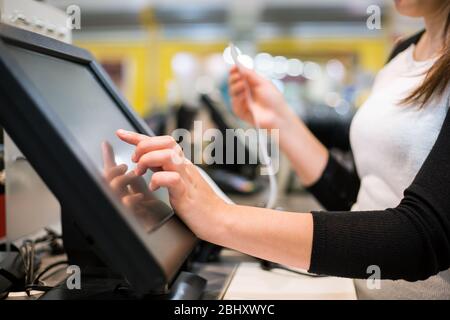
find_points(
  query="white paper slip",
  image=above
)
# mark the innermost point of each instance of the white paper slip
(251, 282)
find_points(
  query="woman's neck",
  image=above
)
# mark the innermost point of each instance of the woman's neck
(432, 42)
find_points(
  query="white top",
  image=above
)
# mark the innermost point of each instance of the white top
(390, 142)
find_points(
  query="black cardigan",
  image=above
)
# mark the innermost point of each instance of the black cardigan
(410, 242)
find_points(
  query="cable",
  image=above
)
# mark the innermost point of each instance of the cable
(269, 266)
(31, 264)
(34, 287)
(36, 284)
(48, 268)
(28, 251)
(267, 161)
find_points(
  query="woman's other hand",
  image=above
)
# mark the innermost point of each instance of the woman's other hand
(267, 102)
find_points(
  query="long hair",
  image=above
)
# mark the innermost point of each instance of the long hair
(438, 77)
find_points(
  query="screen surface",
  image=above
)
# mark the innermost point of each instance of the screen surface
(89, 113)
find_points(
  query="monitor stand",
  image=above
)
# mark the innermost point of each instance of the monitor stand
(98, 282)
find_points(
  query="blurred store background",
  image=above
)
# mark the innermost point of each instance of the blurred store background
(320, 52)
(167, 58)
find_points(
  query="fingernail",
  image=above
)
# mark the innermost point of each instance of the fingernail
(123, 132)
(133, 157)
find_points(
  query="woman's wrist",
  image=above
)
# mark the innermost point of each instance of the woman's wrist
(218, 226)
(306, 153)
(284, 118)
(213, 224)
(288, 125)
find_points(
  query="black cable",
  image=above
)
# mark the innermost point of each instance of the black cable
(28, 253)
(48, 268)
(36, 287)
(24, 259)
(32, 254)
(36, 284)
(55, 246)
(269, 266)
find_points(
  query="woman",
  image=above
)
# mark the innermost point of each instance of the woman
(400, 219)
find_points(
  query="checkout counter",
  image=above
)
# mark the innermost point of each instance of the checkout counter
(240, 277)
(236, 276)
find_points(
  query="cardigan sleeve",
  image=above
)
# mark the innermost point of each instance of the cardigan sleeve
(410, 241)
(337, 187)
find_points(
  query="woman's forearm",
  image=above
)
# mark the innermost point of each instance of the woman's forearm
(282, 237)
(306, 153)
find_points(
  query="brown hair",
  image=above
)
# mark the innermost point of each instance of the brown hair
(438, 77)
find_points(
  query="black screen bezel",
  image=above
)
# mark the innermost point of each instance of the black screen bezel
(147, 262)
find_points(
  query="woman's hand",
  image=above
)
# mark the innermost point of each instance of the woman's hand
(284, 238)
(191, 197)
(133, 191)
(307, 154)
(267, 102)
